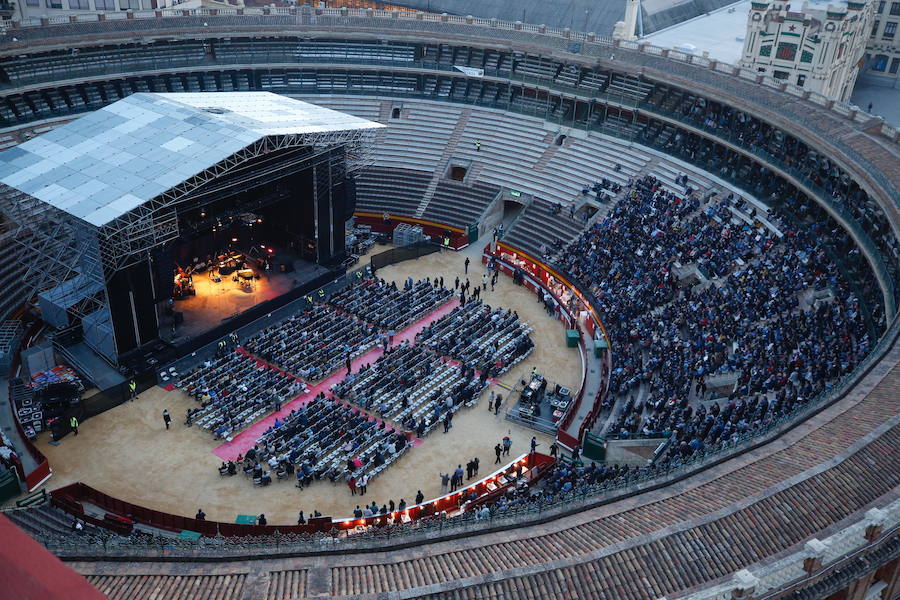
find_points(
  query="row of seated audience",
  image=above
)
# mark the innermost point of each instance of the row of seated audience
(412, 386)
(491, 341)
(313, 343)
(736, 167)
(233, 391)
(388, 307)
(761, 137)
(774, 319)
(323, 439)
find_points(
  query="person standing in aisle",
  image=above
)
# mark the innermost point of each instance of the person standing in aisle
(166, 418)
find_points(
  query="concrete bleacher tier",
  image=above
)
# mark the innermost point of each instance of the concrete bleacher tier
(538, 225)
(458, 203)
(391, 190)
(515, 151)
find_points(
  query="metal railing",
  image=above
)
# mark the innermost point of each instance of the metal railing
(565, 39)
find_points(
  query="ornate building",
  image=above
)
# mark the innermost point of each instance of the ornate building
(818, 47)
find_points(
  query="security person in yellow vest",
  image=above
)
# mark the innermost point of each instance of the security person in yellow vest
(73, 423)
(132, 389)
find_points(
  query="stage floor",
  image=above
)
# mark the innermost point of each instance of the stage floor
(215, 302)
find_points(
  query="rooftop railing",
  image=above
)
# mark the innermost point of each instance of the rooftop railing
(558, 39)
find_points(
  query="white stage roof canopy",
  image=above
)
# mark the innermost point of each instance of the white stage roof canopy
(108, 162)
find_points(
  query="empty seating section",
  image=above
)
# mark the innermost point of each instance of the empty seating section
(291, 51)
(412, 386)
(365, 108)
(325, 440)
(390, 190)
(235, 390)
(314, 343)
(630, 87)
(46, 518)
(535, 66)
(458, 203)
(540, 229)
(417, 140)
(490, 340)
(385, 305)
(86, 61)
(582, 160)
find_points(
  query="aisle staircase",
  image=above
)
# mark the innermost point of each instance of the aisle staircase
(444, 161)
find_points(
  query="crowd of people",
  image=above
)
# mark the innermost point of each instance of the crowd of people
(760, 136)
(795, 156)
(387, 306)
(323, 439)
(491, 341)
(233, 390)
(313, 343)
(689, 292)
(414, 387)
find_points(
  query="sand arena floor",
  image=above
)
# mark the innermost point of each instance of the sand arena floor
(127, 452)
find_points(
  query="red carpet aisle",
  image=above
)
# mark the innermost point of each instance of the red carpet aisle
(245, 440)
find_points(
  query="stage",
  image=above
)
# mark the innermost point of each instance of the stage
(215, 302)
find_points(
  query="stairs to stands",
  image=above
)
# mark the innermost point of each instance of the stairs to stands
(441, 169)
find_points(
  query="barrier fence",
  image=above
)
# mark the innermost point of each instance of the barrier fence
(408, 252)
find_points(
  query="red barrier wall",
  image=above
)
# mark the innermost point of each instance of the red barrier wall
(73, 497)
(458, 237)
(542, 273)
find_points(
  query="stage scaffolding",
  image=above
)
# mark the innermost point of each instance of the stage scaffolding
(65, 252)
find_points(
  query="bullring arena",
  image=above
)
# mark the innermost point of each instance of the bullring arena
(237, 255)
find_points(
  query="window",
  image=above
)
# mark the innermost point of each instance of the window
(801, 79)
(894, 65)
(105, 4)
(54, 3)
(32, 2)
(875, 25)
(395, 113)
(890, 29)
(130, 4)
(881, 6)
(880, 63)
(895, 8)
(783, 75)
(765, 51)
(786, 51)
(80, 4)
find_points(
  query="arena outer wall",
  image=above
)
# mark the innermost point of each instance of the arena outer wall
(819, 478)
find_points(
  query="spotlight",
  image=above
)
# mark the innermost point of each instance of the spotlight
(234, 239)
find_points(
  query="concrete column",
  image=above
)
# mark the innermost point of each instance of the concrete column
(744, 585)
(813, 552)
(875, 519)
(892, 578)
(858, 589)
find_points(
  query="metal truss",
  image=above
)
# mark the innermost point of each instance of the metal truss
(127, 239)
(57, 247)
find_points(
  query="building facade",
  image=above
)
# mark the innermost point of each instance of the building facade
(35, 9)
(819, 47)
(882, 62)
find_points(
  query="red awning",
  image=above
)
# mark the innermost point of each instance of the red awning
(29, 572)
